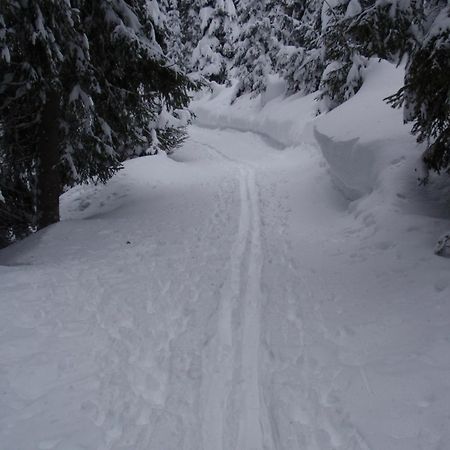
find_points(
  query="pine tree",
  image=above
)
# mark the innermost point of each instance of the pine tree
(326, 44)
(300, 59)
(344, 63)
(34, 39)
(356, 31)
(173, 24)
(214, 50)
(190, 22)
(387, 29)
(83, 86)
(426, 93)
(255, 46)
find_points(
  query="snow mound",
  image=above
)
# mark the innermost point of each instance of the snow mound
(372, 158)
(359, 139)
(365, 136)
(271, 114)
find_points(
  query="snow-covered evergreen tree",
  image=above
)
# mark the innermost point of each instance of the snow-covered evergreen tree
(176, 47)
(388, 29)
(214, 50)
(344, 63)
(300, 59)
(426, 94)
(354, 31)
(83, 86)
(255, 45)
(42, 45)
(190, 22)
(326, 44)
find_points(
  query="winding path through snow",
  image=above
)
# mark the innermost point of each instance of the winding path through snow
(206, 302)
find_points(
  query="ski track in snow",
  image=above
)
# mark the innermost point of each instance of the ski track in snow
(250, 433)
(242, 291)
(191, 309)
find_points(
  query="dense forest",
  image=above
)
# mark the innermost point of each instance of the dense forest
(86, 85)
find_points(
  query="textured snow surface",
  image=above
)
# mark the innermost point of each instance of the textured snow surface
(233, 297)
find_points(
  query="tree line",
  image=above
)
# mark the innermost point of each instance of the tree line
(87, 84)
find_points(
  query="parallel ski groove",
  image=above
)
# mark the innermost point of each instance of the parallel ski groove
(221, 372)
(242, 291)
(250, 432)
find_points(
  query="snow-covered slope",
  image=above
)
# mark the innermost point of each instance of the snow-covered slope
(252, 292)
(271, 114)
(382, 252)
(371, 155)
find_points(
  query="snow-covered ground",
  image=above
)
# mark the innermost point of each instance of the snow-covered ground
(271, 286)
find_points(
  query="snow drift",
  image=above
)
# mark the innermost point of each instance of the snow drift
(359, 139)
(369, 152)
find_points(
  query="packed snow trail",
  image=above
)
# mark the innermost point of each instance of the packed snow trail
(250, 433)
(244, 291)
(223, 299)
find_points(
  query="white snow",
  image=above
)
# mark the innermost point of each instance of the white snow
(280, 119)
(251, 292)
(353, 9)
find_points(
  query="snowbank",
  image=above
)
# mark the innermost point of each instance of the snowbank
(271, 114)
(365, 136)
(374, 159)
(371, 155)
(359, 139)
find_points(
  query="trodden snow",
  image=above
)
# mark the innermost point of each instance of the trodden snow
(235, 296)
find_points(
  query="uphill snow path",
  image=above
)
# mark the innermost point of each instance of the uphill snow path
(215, 301)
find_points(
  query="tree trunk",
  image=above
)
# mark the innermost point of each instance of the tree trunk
(48, 178)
